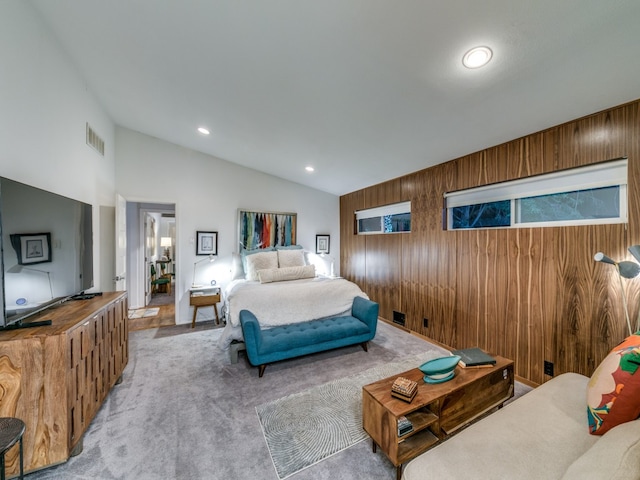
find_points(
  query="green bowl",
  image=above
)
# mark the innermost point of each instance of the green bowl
(439, 368)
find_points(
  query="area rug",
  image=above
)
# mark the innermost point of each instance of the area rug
(144, 312)
(304, 428)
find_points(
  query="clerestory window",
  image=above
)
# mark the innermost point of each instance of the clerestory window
(593, 194)
(394, 218)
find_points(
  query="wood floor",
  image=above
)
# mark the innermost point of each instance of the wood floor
(166, 318)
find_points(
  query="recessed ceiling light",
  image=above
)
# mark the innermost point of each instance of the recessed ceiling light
(477, 57)
(309, 169)
(203, 131)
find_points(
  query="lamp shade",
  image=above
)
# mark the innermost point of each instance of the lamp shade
(165, 242)
(601, 257)
(629, 269)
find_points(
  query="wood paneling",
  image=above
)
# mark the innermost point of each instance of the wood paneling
(352, 247)
(428, 279)
(527, 294)
(384, 256)
(384, 194)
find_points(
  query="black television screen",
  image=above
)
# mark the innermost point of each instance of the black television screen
(47, 249)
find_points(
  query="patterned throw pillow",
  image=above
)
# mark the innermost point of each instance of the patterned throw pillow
(613, 393)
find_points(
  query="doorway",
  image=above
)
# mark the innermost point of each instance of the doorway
(151, 258)
(160, 239)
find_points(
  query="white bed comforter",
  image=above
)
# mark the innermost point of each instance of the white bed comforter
(282, 303)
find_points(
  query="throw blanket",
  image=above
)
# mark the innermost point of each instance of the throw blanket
(282, 303)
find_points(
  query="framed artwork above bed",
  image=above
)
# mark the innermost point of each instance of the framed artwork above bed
(266, 229)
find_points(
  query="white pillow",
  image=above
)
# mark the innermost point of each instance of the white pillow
(260, 261)
(290, 258)
(287, 273)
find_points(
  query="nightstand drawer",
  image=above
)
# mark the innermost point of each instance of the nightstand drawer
(204, 300)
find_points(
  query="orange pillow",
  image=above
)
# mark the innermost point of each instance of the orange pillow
(613, 392)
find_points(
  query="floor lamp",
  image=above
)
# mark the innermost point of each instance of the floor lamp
(625, 269)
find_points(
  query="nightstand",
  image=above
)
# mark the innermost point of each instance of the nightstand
(204, 297)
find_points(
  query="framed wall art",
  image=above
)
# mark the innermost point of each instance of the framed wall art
(266, 229)
(322, 244)
(206, 243)
(32, 248)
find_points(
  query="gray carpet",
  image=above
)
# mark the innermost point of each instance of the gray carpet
(184, 412)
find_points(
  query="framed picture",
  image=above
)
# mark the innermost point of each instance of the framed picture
(266, 229)
(32, 247)
(322, 243)
(206, 243)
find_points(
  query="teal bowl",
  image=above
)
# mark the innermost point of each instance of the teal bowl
(439, 369)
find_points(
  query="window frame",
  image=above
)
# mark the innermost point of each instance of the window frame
(380, 212)
(612, 173)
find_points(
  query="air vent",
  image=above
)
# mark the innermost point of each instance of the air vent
(399, 318)
(94, 140)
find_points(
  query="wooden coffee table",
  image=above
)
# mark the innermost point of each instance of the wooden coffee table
(437, 410)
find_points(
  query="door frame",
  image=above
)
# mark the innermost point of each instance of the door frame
(136, 247)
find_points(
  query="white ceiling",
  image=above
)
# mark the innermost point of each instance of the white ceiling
(363, 90)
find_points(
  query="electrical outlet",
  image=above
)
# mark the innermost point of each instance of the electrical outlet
(548, 368)
(425, 322)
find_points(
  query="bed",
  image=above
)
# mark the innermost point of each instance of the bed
(280, 287)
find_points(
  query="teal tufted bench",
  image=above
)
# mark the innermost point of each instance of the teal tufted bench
(270, 345)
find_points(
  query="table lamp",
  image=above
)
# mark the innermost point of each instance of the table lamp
(210, 258)
(165, 242)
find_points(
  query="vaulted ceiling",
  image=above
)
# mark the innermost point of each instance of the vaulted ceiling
(362, 90)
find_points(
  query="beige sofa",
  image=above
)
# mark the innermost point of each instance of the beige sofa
(541, 435)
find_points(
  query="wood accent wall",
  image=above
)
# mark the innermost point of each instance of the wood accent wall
(528, 294)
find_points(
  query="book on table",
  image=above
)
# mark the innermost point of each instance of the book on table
(404, 426)
(474, 357)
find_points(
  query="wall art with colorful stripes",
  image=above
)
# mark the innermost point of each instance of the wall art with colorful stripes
(266, 229)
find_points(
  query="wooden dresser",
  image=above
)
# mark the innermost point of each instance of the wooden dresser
(56, 377)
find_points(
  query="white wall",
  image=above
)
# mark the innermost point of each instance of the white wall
(44, 106)
(207, 193)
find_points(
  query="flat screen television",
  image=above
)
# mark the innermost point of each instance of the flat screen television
(47, 250)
